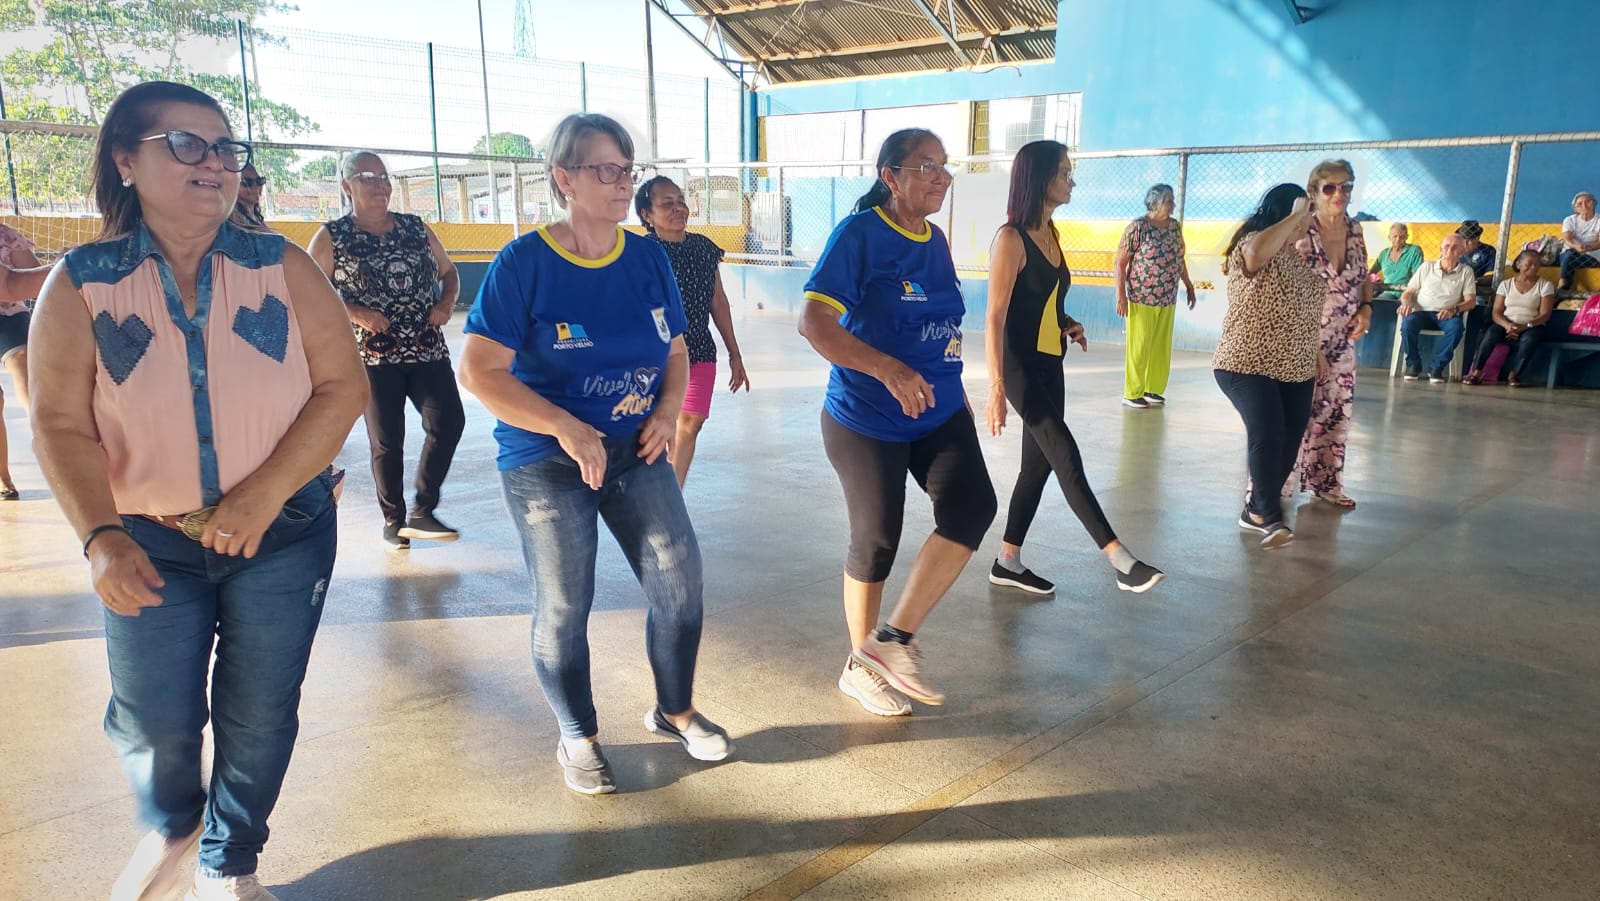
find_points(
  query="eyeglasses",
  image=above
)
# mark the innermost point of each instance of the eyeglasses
(929, 168)
(1329, 188)
(192, 150)
(252, 182)
(608, 173)
(371, 179)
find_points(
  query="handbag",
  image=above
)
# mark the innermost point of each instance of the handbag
(1587, 322)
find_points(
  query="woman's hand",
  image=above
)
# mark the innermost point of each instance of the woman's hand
(655, 437)
(1361, 323)
(1073, 334)
(1189, 291)
(123, 575)
(437, 316)
(737, 377)
(372, 320)
(910, 389)
(239, 523)
(995, 412)
(1122, 304)
(582, 442)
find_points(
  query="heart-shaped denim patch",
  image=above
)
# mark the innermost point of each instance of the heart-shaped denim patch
(121, 346)
(266, 329)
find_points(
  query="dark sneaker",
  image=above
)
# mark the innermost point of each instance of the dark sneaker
(1278, 536)
(703, 739)
(394, 534)
(1437, 377)
(1248, 524)
(1413, 373)
(901, 666)
(1140, 579)
(1137, 403)
(9, 493)
(425, 527)
(587, 772)
(1025, 580)
(1154, 399)
(871, 692)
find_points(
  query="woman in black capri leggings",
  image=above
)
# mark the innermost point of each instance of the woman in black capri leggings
(1028, 332)
(884, 307)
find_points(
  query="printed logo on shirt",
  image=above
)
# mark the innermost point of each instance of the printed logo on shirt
(660, 314)
(913, 293)
(949, 332)
(632, 388)
(571, 336)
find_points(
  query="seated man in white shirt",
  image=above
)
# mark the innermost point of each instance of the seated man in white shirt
(1580, 239)
(1441, 292)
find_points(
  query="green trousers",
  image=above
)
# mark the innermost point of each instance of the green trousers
(1149, 349)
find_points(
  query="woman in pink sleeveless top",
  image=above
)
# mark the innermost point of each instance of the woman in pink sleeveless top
(193, 382)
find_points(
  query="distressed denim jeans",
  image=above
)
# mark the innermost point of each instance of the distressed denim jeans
(557, 517)
(259, 616)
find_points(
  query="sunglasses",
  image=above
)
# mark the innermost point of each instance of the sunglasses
(609, 173)
(1329, 188)
(252, 182)
(192, 150)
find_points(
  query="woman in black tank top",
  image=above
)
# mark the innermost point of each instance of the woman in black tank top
(1028, 332)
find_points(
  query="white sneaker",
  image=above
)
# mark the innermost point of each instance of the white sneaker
(227, 888)
(901, 666)
(871, 692)
(154, 871)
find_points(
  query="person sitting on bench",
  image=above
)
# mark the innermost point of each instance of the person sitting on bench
(1522, 305)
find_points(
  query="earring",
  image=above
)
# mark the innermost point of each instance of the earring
(127, 182)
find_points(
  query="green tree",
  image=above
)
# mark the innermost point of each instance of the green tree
(96, 48)
(320, 169)
(509, 143)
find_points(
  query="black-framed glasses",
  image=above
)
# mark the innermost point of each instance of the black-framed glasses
(1329, 188)
(608, 173)
(929, 169)
(252, 182)
(192, 150)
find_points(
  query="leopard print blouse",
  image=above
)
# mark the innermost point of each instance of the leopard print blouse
(1274, 320)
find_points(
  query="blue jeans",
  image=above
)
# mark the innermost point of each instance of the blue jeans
(556, 517)
(1411, 330)
(260, 615)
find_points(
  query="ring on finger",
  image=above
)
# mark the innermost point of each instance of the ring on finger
(222, 534)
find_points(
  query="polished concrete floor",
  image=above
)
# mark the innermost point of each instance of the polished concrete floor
(1404, 704)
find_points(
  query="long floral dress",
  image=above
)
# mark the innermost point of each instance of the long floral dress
(1321, 463)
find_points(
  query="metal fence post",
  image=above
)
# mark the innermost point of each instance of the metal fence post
(516, 201)
(1182, 187)
(244, 79)
(433, 125)
(488, 130)
(583, 87)
(1512, 169)
(11, 168)
(783, 231)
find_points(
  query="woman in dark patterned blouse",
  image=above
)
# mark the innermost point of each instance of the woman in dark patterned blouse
(694, 259)
(399, 287)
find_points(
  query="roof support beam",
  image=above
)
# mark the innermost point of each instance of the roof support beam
(902, 45)
(702, 44)
(949, 38)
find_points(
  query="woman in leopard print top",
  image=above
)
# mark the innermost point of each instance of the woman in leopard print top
(1266, 360)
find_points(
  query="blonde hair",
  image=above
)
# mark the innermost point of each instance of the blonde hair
(1322, 170)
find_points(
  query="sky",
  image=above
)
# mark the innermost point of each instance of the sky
(607, 32)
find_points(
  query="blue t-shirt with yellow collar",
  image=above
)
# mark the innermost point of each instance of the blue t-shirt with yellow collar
(590, 336)
(898, 293)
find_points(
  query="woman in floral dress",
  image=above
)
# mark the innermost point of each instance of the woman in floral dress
(1335, 247)
(1150, 262)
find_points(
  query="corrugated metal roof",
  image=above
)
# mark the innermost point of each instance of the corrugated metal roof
(792, 41)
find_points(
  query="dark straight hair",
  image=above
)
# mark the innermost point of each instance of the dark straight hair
(646, 198)
(1035, 165)
(896, 148)
(130, 117)
(1275, 206)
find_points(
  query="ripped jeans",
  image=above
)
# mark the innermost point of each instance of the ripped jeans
(556, 516)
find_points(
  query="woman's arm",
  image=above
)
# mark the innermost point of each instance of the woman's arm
(485, 371)
(1271, 239)
(338, 396)
(22, 278)
(449, 280)
(819, 325)
(1006, 257)
(722, 318)
(661, 426)
(1498, 313)
(321, 251)
(1120, 268)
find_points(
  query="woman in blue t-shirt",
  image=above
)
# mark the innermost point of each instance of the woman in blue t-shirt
(576, 346)
(885, 308)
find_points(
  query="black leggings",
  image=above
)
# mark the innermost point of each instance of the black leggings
(1275, 415)
(947, 463)
(431, 388)
(1038, 390)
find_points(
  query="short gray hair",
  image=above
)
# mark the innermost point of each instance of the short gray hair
(1152, 197)
(566, 144)
(1580, 195)
(347, 166)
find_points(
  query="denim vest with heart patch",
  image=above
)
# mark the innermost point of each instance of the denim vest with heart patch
(188, 407)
